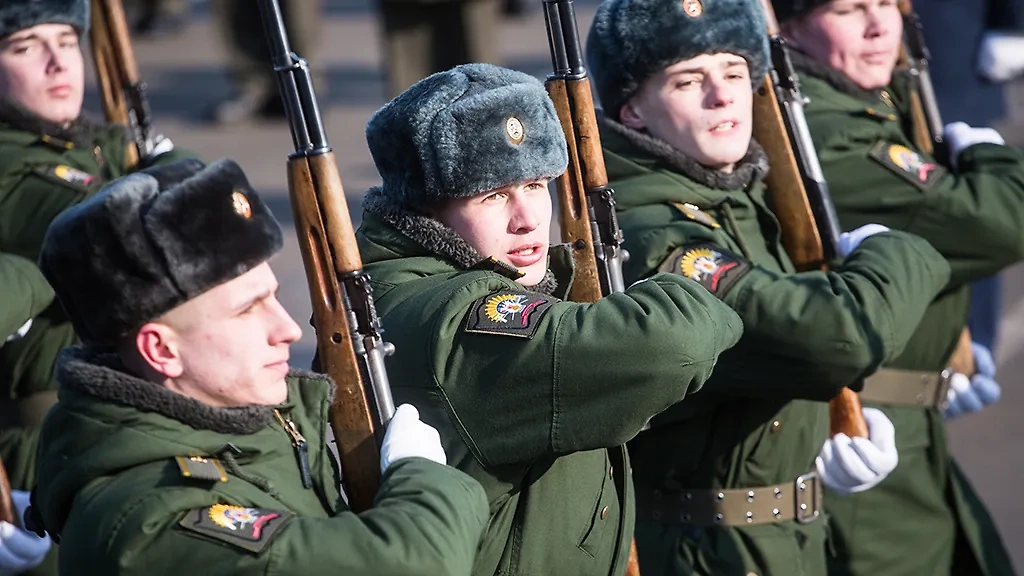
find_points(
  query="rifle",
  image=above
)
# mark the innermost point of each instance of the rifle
(799, 193)
(586, 203)
(6, 506)
(123, 91)
(349, 343)
(926, 122)
(924, 108)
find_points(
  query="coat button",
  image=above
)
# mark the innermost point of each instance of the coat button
(604, 513)
(611, 472)
(775, 426)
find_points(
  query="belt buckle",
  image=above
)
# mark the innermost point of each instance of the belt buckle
(942, 390)
(807, 511)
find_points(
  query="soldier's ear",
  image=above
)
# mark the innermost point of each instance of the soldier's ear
(631, 117)
(158, 354)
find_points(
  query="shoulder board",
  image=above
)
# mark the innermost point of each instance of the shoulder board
(509, 313)
(68, 176)
(694, 213)
(201, 468)
(907, 163)
(712, 267)
(251, 529)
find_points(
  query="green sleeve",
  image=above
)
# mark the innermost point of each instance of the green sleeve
(590, 376)
(25, 293)
(427, 519)
(832, 328)
(982, 201)
(812, 332)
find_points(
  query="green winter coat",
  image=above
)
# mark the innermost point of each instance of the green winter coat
(913, 521)
(111, 486)
(534, 397)
(44, 169)
(764, 417)
(25, 293)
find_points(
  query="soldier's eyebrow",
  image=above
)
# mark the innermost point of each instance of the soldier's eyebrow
(15, 38)
(248, 302)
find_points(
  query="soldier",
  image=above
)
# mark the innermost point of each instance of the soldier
(533, 396)
(181, 437)
(51, 157)
(252, 73)
(925, 518)
(725, 482)
(421, 37)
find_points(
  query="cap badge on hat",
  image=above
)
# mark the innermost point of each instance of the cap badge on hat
(515, 130)
(693, 8)
(241, 205)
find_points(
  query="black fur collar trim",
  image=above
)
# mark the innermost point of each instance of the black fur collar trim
(805, 64)
(441, 240)
(751, 168)
(82, 131)
(101, 374)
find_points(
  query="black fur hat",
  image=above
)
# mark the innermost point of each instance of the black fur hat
(632, 40)
(153, 240)
(474, 128)
(20, 14)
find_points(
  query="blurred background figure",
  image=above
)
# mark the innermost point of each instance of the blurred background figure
(256, 93)
(151, 18)
(421, 37)
(976, 47)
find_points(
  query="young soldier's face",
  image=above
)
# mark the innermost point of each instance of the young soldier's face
(42, 70)
(860, 38)
(511, 224)
(227, 346)
(701, 106)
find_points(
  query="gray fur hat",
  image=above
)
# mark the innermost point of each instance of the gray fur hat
(632, 40)
(153, 240)
(20, 14)
(474, 128)
(788, 9)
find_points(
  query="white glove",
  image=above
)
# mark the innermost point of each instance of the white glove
(960, 137)
(407, 436)
(848, 241)
(849, 465)
(1001, 56)
(161, 145)
(21, 331)
(972, 394)
(20, 550)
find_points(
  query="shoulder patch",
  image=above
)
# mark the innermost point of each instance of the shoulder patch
(908, 164)
(509, 313)
(251, 529)
(694, 213)
(201, 468)
(714, 268)
(67, 175)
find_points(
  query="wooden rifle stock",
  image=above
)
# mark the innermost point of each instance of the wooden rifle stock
(349, 346)
(573, 206)
(121, 88)
(7, 512)
(569, 89)
(792, 206)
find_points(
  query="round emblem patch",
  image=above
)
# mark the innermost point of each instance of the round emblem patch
(910, 161)
(233, 517)
(693, 8)
(515, 130)
(500, 308)
(241, 205)
(699, 263)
